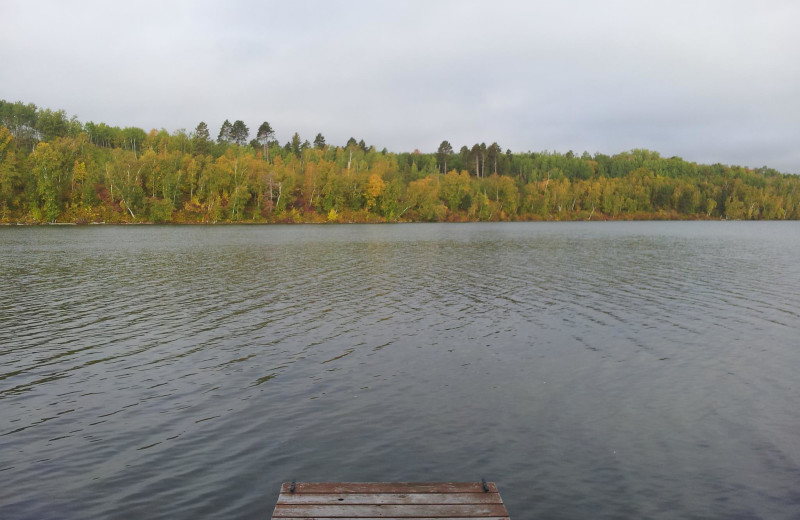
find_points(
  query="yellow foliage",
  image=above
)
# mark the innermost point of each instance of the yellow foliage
(375, 188)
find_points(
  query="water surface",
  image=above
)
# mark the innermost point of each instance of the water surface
(593, 370)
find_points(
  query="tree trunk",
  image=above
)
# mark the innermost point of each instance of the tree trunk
(270, 192)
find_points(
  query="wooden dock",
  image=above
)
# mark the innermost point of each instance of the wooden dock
(390, 500)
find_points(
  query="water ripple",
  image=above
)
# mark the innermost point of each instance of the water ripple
(605, 370)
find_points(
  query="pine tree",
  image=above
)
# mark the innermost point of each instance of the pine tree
(445, 149)
(264, 136)
(201, 132)
(225, 133)
(295, 146)
(239, 132)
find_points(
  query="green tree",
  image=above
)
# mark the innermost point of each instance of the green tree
(201, 139)
(225, 133)
(295, 145)
(123, 176)
(239, 132)
(503, 192)
(423, 195)
(493, 153)
(47, 173)
(442, 153)
(11, 184)
(455, 190)
(20, 119)
(476, 155)
(51, 124)
(264, 136)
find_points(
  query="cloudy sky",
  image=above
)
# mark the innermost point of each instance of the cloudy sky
(710, 81)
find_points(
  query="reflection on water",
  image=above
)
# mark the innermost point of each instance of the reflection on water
(604, 370)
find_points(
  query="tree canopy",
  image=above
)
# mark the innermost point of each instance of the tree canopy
(54, 168)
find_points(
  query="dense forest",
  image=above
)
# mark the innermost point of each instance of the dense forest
(53, 168)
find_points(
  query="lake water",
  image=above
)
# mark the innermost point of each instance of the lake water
(592, 370)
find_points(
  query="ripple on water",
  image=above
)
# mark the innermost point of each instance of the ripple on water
(608, 370)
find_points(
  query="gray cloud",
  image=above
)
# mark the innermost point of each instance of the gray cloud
(711, 81)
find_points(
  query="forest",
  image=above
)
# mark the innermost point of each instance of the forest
(55, 169)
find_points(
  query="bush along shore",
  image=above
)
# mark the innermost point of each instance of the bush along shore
(55, 169)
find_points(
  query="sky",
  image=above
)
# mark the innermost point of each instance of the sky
(708, 81)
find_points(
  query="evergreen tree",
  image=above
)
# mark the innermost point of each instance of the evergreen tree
(475, 155)
(201, 132)
(295, 145)
(225, 133)
(239, 132)
(445, 150)
(201, 139)
(264, 136)
(492, 153)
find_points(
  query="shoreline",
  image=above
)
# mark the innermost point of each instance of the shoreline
(251, 223)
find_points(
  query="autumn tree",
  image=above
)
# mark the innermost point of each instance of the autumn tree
(374, 190)
(502, 191)
(455, 190)
(46, 169)
(10, 180)
(123, 176)
(423, 196)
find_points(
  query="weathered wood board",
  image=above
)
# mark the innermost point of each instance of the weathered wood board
(390, 500)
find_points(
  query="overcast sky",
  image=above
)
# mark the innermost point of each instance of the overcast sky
(709, 81)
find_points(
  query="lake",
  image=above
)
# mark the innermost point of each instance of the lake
(593, 370)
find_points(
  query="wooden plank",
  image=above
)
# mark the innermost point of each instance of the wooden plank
(389, 498)
(388, 487)
(384, 511)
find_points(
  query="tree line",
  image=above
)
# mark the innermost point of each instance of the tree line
(53, 168)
